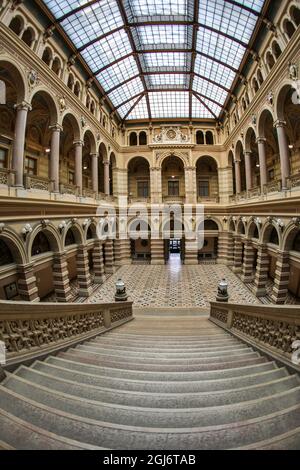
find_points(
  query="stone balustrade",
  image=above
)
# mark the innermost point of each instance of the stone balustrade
(34, 330)
(270, 328)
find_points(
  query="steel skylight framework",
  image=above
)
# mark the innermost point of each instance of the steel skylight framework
(161, 58)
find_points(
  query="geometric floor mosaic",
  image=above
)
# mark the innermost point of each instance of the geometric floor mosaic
(173, 285)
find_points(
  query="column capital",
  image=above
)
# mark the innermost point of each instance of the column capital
(78, 143)
(237, 161)
(261, 140)
(105, 162)
(279, 123)
(94, 155)
(24, 105)
(248, 153)
(56, 127)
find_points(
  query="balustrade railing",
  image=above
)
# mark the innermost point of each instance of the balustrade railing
(7, 177)
(272, 187)
(272, 328)
(32, 329)
(87, 192)
(37, 182)
(294, 181)
(208, 199)
(68, 189)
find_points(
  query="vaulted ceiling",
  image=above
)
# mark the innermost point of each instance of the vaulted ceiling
(161, 58)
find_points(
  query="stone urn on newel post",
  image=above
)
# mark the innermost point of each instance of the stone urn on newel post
(120, 294)
(222, 295)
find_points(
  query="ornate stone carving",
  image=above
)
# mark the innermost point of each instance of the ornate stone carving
(220, 315)
(293, 71)
(32, 78)
(83, 121)
(270, 98)
(62, 104)
(171, 135)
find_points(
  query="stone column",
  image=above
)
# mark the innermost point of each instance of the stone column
(78, 164)
(282, 277)
(109, 256)
(157, 251)
(19, 142)
(83, 272)
(155, 185)
(190, 185)
(98, 263)
(106, 178)
(238, 183)
(54, 156)
(94, 157)
(247, 270)
(238, 254)
(191, 252)
(27, 283)
(262, 271)
(261, 143)
(122, 252)
(61, 278)
(249, 182)
(225, 248)
(284, 152)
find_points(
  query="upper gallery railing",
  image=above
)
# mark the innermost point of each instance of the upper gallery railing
(272, 328)
(33, 329)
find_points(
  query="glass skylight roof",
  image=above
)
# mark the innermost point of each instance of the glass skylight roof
(141, 51)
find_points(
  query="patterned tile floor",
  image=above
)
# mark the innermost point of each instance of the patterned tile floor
(173, 285)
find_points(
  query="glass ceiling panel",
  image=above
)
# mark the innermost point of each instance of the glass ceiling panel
(162, 37)
(125, 91)
(111, 48)
(220, 47)
(95, 19)
(118, 73)
(169, 104)
(199, 110)
(228, 18)
(92, 21)
(167, 81)
(140, 111)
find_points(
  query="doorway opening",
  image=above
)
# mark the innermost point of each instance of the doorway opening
(174, 250)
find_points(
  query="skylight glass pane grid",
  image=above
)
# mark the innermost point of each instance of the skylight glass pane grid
(228, 18)
(125, 91)
(118, 73)
(253, 4)
(208, 89)
(199, 110)
(212, 106)
(220, 47)
(160, 61)
(140, 111)
(162, 36)
(216, 72)
(93, 21)
(123, 110)
(108, 50)
(169, 104)
(61, 7)
(166, 81)
(146, 8)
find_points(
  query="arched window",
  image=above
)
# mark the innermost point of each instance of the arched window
(270, 60)
(28, 36)
(93, 107)
(88, 101)
(47, 56)
(260, 77)
(247, 98)
(295, 15)
(143, 138)
(71, 81)
(255, 85)
(89, 234)
(289, 28)
(16, 25)
(199, 137)
(2, 92)
(209, 138)
(6, 256)
(77, 89)
(255, 233)
(210, 225)
(276, 49)
(244, 104)
(70, 238)
(274, 237)
(296, 242)
(40, 244)
(133, 139)
(56, 66)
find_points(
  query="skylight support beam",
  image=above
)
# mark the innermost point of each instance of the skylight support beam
(127, 101)
(205, 105)
(133, 106)
(194, 54)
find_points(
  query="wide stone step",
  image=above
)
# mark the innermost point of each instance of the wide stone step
(158, 400)
(169, 338)
(289, 440)
(133, 346)
(92, 376)
(159, 354)
(154, 417)
(162, 376)
(113, 436)
(127, 365)
(23, 435)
